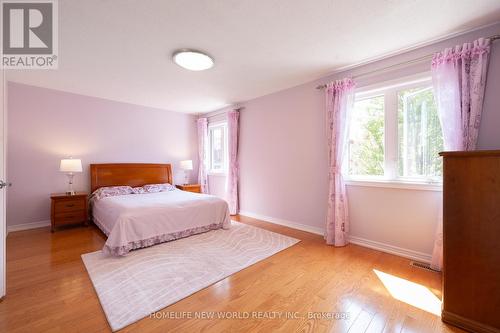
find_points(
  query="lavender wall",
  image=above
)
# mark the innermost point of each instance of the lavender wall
(283, 158)
(46, 125)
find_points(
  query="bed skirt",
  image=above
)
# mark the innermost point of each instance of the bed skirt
(124, 249)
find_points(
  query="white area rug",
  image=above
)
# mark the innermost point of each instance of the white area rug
(147, 280)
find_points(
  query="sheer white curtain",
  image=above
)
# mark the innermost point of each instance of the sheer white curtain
(232, 179)
(459, 79)
(339, 99)
(202, 125)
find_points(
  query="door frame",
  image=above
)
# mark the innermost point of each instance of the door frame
(3, 197)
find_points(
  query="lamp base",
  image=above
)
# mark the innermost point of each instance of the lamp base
(70, 190)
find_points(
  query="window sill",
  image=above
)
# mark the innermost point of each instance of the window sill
(397, 184)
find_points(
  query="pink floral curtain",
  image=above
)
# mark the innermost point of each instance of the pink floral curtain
(234, 168)
(202, 125)
(339, 98)
(459, 79)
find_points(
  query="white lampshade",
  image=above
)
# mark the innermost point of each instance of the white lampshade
(71, 165)
(187, 165)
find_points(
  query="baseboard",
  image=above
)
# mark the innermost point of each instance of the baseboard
(399, 251)
(466, 323)
(286, 223)
(26, 226)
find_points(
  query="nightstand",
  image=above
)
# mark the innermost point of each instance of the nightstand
(68, 209)
(195, 188)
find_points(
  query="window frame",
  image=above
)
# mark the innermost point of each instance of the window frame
(391, 144)
(223, 171)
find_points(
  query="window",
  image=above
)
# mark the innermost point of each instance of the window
(367, 137)
(420, 136)
(217, 134)
(395, 133)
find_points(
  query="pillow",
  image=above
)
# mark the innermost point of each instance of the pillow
(154, 188)
(111, 191)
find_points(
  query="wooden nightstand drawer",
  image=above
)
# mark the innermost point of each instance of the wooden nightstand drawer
(195, 188)
(70, 218)
(70, 205)
(68, 209)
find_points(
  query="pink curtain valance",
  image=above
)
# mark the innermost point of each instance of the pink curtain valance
(340, 85)
(465, 52)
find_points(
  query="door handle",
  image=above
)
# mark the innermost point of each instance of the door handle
(4, 184)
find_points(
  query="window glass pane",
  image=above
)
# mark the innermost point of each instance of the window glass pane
(366, 144)
(217, 148)
(419, 134)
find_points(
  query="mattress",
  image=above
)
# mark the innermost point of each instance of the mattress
(139, 220)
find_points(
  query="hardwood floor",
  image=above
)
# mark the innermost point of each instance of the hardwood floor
(48, 289)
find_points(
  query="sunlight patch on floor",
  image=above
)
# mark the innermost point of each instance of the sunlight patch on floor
(411, 293)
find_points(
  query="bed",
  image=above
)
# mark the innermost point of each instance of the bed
(136, 220)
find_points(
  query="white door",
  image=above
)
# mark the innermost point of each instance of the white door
(3, 231)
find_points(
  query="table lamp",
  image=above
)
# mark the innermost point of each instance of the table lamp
(187, 166)
(70, 166)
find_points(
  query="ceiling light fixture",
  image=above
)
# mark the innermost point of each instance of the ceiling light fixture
(192, 60)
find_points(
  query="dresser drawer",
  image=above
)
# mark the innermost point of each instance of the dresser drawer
(70, 217)
(70, 205)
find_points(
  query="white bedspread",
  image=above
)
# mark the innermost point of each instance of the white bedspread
(139, 220)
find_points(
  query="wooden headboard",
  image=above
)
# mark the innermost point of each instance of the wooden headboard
(131, 174)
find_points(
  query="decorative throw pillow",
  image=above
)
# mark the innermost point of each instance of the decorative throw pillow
(111, 191)
(138, 190)
(154, 188)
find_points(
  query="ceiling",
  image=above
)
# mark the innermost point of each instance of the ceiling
(121, 49)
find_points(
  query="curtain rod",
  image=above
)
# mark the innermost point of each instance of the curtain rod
(428, 56)
(216, 113)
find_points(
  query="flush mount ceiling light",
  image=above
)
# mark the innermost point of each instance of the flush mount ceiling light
(193, 60)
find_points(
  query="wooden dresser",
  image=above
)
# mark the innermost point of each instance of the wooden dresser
(68, 209)
(195, 188)
(471, 240)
